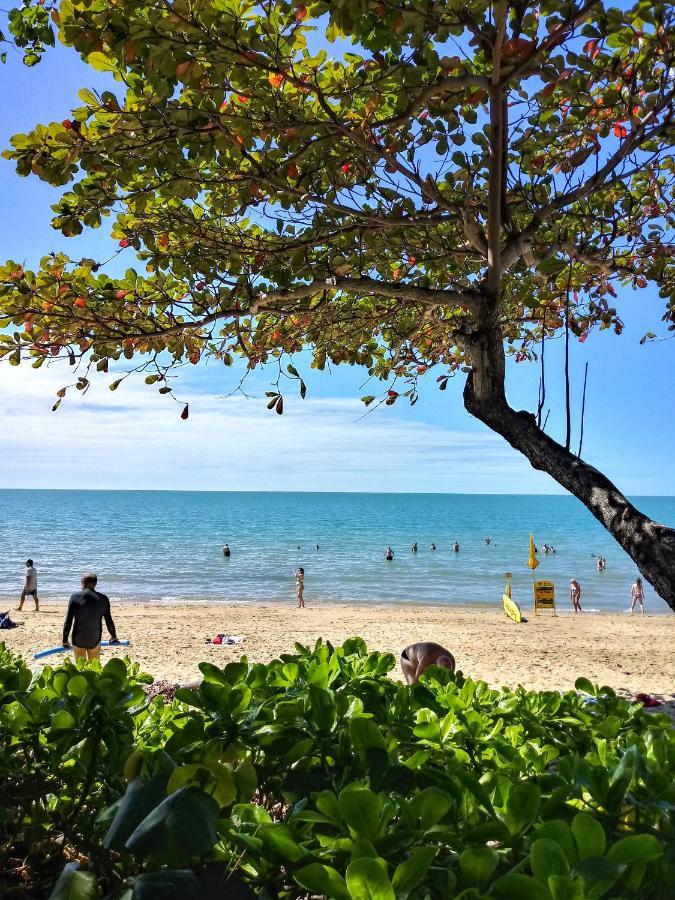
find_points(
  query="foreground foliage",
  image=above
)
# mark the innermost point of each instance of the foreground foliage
(319, 775)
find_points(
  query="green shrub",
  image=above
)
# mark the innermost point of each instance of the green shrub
(318, 775)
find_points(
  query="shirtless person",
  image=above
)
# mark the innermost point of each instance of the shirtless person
(417, 658)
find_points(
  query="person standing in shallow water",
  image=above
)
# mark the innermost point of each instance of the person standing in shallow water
(575, 595)
(637, 595)
(389, 554)
(226, 550)
(300, 587)
(29, 587)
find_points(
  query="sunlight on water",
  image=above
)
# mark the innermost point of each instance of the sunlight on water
(167, 546)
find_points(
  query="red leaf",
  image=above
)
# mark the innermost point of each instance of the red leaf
(186, 412)
(280, 406)
(582, 338)
(619, 130)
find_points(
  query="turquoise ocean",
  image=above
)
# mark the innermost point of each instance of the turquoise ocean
(167, 546)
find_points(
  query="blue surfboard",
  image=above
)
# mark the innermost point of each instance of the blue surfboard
(62, 649)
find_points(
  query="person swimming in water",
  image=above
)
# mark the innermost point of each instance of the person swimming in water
(414, 547)
(389, 554)
(417, 658)
(433, 547)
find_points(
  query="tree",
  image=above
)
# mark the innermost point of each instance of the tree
(446, 184)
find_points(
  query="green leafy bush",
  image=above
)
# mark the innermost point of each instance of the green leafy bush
(318, 775)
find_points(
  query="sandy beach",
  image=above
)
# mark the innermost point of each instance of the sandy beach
(631, 654)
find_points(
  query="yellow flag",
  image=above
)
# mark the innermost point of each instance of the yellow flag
(532, 562)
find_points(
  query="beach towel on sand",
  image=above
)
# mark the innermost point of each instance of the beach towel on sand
(228, 639)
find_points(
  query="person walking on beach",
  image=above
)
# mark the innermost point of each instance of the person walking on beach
(575, 595)
(29, 587)
(300, 586)
(637, 595)
(389, 554)
(86, 611)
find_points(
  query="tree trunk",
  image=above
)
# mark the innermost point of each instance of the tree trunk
(650, 545)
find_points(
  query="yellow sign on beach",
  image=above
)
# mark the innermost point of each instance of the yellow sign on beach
(544, 596)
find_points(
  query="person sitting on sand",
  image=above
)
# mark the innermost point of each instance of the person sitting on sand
(29, 587)
(637, 595)
(226, 550)
(86, 611)
(417, 658)
(575, 595)
(300, 586)
(389, 554)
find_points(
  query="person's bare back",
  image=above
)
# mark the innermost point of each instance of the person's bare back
(417, 658)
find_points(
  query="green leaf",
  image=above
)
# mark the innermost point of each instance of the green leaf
(360, 809)
(477, 865)
(546, 859)
(410, 873)
(78, 686)
(635, 849)
(431, 805)
(279, 839)
(182, 827)
(598, 874)
(73, 884)
(139, 799)
(621, 779)
(324, 880)
(562, 887)
(520, 887)
(522, 806)
(584, 686)
(367, 879)
(365, 735)
(589, 836)
(169, 884)
(101, 62)
(560, 832)
(63, 721)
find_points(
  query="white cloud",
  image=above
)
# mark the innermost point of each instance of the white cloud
(134, 438)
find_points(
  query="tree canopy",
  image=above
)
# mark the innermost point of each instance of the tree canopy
(403, 185)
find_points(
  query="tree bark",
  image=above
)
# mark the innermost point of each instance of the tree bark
(649, 544)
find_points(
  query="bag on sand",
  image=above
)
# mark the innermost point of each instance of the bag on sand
(6, 622)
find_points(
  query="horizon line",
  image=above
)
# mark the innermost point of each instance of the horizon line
(87, 490)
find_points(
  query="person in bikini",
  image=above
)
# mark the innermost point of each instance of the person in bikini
(417, 658)
(300, 586)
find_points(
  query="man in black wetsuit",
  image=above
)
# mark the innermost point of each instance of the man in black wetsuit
(86, 611)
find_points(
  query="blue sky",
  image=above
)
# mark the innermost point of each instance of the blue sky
(134, 438)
